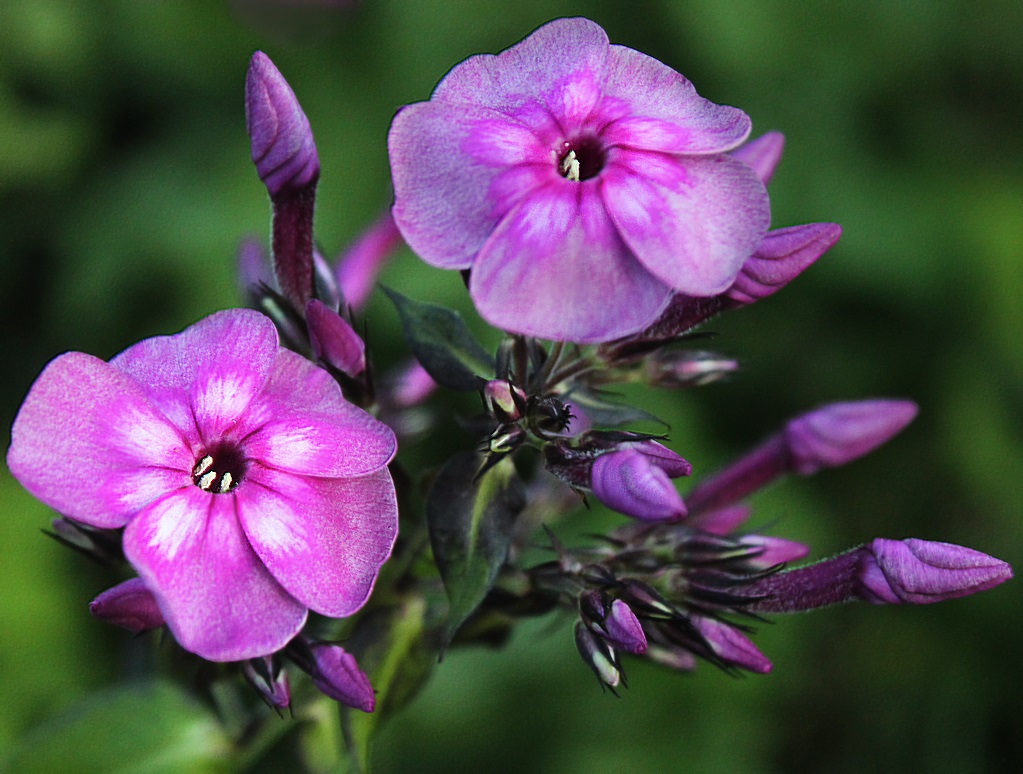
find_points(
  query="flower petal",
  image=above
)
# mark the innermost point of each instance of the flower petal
(88, 443)
(301, 423)
(543, 66)
(219, 600)
(212, 368)
(441, 206)
(692, 222)
(324, 540)
(556, 268)
(666, 112)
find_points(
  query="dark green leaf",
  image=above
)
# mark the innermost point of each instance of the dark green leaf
(470, 521)
(442, 343)
(603, 412)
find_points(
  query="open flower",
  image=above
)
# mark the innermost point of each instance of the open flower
(582, 183)
(249, 490)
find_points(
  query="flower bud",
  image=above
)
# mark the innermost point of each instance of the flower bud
(335, 672)
(283, 149)
(503, 400)
(130, 605)
(762, 154)
(731, 645)
(333, 339)
(920, 571)
(624, 630)
(598, 655)
(782, 256)
(774, 551)
(678, 368)
(266, 676)
(839, 433)
(635, 480)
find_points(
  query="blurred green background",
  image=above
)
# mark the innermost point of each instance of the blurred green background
(125, 185)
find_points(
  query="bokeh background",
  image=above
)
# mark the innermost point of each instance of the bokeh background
(125, 185)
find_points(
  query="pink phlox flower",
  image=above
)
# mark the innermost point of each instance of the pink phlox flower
(582, 183)
(249, 490)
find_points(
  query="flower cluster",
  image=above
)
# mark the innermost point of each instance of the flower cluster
(601, 211)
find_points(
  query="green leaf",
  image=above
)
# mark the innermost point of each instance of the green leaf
(137, 728)
(442, 343)
(604, 412)
(470, 522)
(390, 647)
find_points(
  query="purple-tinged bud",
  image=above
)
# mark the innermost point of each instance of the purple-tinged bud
(598, 655)
(919, 572)
(839, 433)
(335, 673)
(130, 605)
(359, 266)
(646, 599)
(774, 550)
(506, 438)
(623, 629)
(102, 545)
(636, 480)
(783, 255)
(677, 368)
(882, 572)
(503, 400)
(762, 154)
(267, 677)
(830, 436)
(285, 157)
(283, 149)
(333, 340)
(723, 521)
(731, 645)
(253, 265)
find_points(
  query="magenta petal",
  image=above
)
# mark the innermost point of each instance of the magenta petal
(219, 600)
(322, 539)
(692, 222)
(301, 423)
(224, 356)
(762, 154)
(783, 255)
(88, 443)
(533, 70)
(556, 268)
(441, 202)
(666, 113)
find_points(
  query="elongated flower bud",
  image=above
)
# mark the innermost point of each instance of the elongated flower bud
(762, 154)
(130, 605)
(335, 672)
(884, 571)
(830, 436)
(266, 676)
(731, 645)
(285, 156)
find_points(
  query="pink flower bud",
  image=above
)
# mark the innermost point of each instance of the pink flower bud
(333, 339)
(335, 673)
(503, 400)
(731, 645)
(635, 480)
(762, 154)
(775, 550)
(283, 149)
(130, 605)
(920, 571)
(624, 630)
(839, 433)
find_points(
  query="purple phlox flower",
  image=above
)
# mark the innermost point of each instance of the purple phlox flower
(335, 672)
(830, 436)
(883, 571)
(636, 480)
(249, 490)
(731, 645)
(333, 339)
(130, 605)
(582, 183)
(285, 156)
(359, 265)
